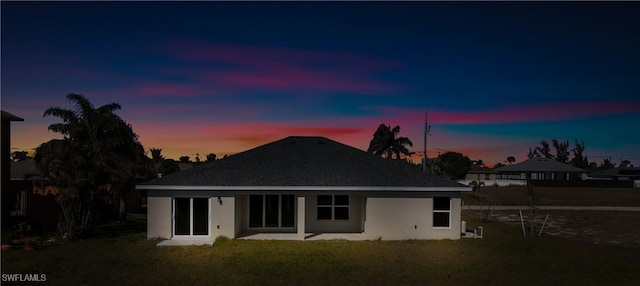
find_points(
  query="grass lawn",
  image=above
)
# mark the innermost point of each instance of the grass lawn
(517, 195)
(503, 257)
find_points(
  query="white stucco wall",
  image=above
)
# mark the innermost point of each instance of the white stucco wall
(354, 224)
(223, 217)
(408, 218)
(158, 217)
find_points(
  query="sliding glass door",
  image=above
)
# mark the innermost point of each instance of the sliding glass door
(190, 216)
(272, 211)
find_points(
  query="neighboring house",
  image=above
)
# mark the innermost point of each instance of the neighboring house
(30, 203)
(617, 174)
(480, 174)
(300, 187)
(540, 169)
(5, 160)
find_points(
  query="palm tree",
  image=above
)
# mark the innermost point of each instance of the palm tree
(385, 141)
(102, 159)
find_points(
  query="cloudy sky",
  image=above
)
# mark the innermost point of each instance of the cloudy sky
(206, 77)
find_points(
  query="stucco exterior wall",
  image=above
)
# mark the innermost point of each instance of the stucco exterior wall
(242, 203)
(158, 217)
(408, 218)
(354, 224)
(223, 217)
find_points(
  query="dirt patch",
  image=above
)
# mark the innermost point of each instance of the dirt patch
(593, 226)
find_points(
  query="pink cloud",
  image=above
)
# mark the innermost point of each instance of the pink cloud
(532, 113)
(167, 89)
(283, 68)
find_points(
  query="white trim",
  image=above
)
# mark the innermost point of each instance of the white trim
(190, 235)
(303, 188)
(434, 211)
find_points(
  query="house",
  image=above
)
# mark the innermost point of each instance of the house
(617, 174)
(540, 169)
(31, 203)
(300, 187)
(480, 174)
(5, 150)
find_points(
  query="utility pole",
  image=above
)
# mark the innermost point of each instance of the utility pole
(427, 129)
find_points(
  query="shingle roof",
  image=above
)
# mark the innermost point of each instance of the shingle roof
(480, 170)
(304, 161)
(21, 169)
(10, 117)
(539, 165)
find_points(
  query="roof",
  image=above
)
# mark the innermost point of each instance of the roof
(21, 169)
(539, 165)
(480, 170)
(10, 117)
(617, 172)
(303, 163)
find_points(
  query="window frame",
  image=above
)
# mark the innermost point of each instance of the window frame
(191, 217)
(333, 206)
(281, 214)
(441, 211)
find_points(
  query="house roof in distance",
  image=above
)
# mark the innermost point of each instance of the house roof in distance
(10, 117)
(481, 170)
(303, 163)
(539, 165)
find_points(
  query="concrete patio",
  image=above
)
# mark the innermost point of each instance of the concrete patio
(308, 236)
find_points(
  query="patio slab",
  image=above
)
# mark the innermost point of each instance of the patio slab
(186, 242)
(308, 236)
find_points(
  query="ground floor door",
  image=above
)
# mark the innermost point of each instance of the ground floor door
(191, 216)
(272, 211)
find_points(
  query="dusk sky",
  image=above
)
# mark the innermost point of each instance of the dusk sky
(207, 77)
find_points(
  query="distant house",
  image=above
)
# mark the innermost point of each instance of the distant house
(480, 174)
(540, 169)
(299, 187)
(31, 203)
(617, 174)
(5, 161)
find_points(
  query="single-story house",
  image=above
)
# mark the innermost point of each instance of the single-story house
(299, 187)
(619, 174)
(540, 169)
(480, 174)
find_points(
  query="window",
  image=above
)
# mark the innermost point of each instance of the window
(333, 207)
(272, 211)
(20, 206)
(441, 212)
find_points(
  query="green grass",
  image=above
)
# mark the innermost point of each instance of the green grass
(504, 257)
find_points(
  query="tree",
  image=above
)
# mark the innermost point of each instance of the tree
(18, 156)
(607, 164)
(498, 165)
(94, 164)
(511, 159)
(168, 166)
(478, 163)
(454, 165)
(579, 159)
(562, 150)
(184, 159)
(211, 157)
(386, 142)
(625, 163)
(156, 155)
(544, 150)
